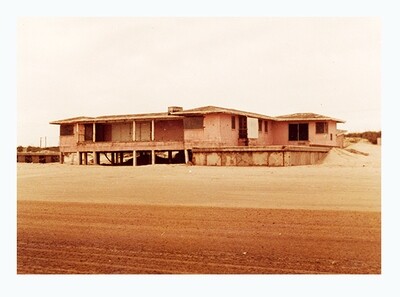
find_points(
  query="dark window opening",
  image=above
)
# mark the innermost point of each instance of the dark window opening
(66, 130)
(170, 157)
(120, 158)
(143, 158)
(265, 126)
(233, 122)
(321, 128)
(103, 132)
(298, 132)
(28, 159)
(242, 127)
(88, 132)
(190, 155)
(193, 123)
(260, 122)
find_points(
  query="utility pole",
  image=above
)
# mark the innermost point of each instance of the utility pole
(43, 142)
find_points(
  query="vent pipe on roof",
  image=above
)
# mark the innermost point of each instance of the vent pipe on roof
(172, 109)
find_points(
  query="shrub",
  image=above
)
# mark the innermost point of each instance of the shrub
(371, 136)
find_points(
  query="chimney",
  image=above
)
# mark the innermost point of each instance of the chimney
(172, 109)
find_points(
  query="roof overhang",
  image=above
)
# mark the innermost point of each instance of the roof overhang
(219, 110)
(119, 119)
(308, 120)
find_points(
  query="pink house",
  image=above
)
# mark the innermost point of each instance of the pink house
(178, 135)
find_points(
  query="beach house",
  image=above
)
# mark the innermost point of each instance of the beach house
(206, 135)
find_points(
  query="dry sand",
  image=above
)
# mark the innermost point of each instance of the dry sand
(189, 219)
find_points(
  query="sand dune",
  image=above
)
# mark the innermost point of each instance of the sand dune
(364, 155)
(344, 181)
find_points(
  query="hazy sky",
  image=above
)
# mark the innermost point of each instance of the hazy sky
(68, 67)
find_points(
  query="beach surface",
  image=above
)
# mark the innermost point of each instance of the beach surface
(174, 219)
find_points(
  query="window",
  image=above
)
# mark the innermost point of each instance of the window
(242, 127)
(265, 126)
(88, 132)
(298, 132)
(103, 132)
(233, 122)
(321, 127)
(260, 122)
(193, 123)
(66, 130)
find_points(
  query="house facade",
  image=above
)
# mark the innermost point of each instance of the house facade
(174, 136)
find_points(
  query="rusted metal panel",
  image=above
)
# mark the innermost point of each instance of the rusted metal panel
(168, 130)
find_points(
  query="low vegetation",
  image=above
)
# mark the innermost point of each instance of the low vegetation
(35, 149)
(371, 136)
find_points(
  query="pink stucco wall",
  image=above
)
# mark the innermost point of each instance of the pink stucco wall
(323, 139)
(281, 134)
(229, 136)
(218, 132)
(264, 138)
(209, 136)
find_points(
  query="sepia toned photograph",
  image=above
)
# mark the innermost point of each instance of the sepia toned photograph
(199, 145)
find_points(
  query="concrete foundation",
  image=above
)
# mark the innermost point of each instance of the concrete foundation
(273, 156)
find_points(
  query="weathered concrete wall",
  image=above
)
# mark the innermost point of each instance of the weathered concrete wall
(70, 158)
(67, 141)
(278, 156)
(340, 140)
(275, 159)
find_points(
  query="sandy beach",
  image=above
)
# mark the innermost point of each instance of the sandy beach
(177, 219)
